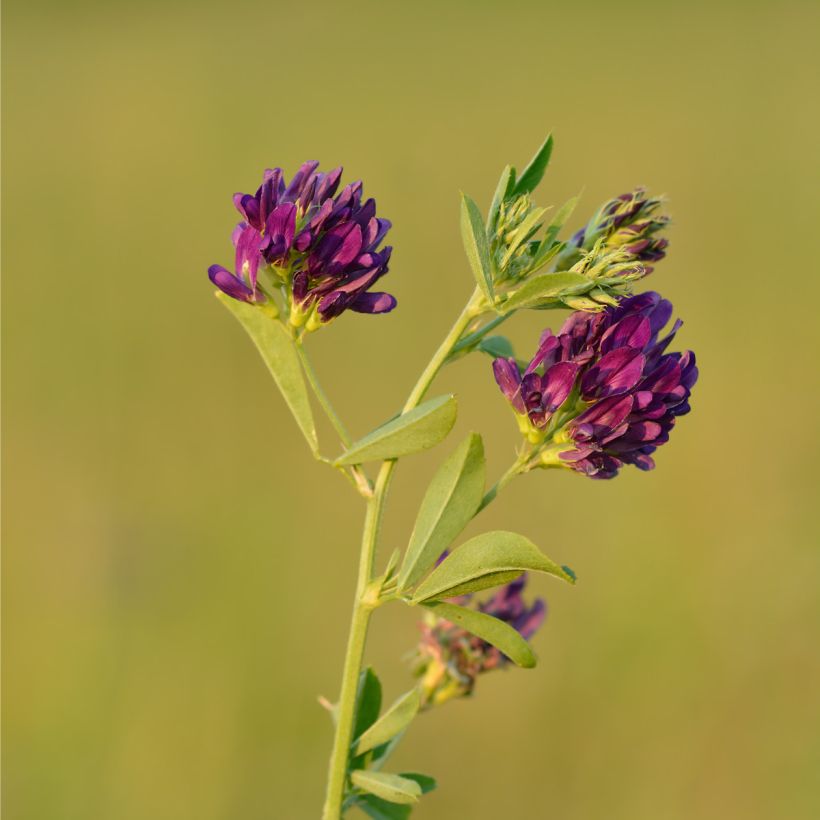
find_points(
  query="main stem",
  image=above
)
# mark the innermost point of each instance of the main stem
(364, 602)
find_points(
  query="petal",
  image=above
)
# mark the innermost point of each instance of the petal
(373, 303)
(300, 179)
(508, 378)
(546, 353)
(633, 331)
(557, 384)
(228, 283)
(615, 372)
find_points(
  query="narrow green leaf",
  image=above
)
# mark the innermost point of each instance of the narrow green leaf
(534, 172)
(496, 346)
(495, 632)
(502, 192)
(483, 562)
(474, 236)
(378, 809)
(522, 233)
(391, 787)
(560, 219)
(279, 354)
(545, 254)
(411, 432)
(450, 502)
(393, 721)
(368, 701)
(545, 287)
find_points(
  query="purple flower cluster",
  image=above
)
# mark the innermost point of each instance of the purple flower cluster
(451, 658)
(323, 246)
(603, 390)
(628, 222)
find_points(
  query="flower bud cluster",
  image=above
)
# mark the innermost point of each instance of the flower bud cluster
(630, 224)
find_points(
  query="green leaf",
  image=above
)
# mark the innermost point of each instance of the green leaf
(485, 561)
(559, 220)
(496, 346)
(391, 787)
(534, 172)
(490, 629)
(411, 432)
(502, 192)
(450, 502)
(545, 287)
(476, 246)
(393, 721)
(278, 351)
(368, 701)
(379, 809)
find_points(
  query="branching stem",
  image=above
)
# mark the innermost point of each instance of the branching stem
(363, 605)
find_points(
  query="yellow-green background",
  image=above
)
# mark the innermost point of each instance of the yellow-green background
(178, 571)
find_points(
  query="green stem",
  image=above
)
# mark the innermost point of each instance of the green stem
(356, 475)
(321, 396)
(469, 341)
(515, 469)
(364, 604)
(362, 609)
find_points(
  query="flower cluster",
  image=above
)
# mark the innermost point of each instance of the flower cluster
(320, 249)
(628, 224)
(603, 392)
(450, 659)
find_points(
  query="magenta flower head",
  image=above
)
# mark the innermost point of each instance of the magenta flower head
(603, 392)
(450, 659)
(319, 249)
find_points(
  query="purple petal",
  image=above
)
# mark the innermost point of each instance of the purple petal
(557, 384)
(508, 378)
(248, 255)
(373, 303)
(228, 283)
(616, 372)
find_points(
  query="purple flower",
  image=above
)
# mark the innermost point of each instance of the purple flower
(324, 247)
(450, 658)
(241, 285)
(603, 392)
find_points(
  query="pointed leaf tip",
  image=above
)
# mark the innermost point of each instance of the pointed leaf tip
(448, 506)
(534, 172)
(418, 429)
(485, 561)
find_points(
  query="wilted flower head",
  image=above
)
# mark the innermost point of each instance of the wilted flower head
(322, 250)
(603, 392)
(450, 659)
(628, 223)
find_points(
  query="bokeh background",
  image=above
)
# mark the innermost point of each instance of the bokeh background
(178, 571)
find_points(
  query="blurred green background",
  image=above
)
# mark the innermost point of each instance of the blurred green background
(178, 571)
